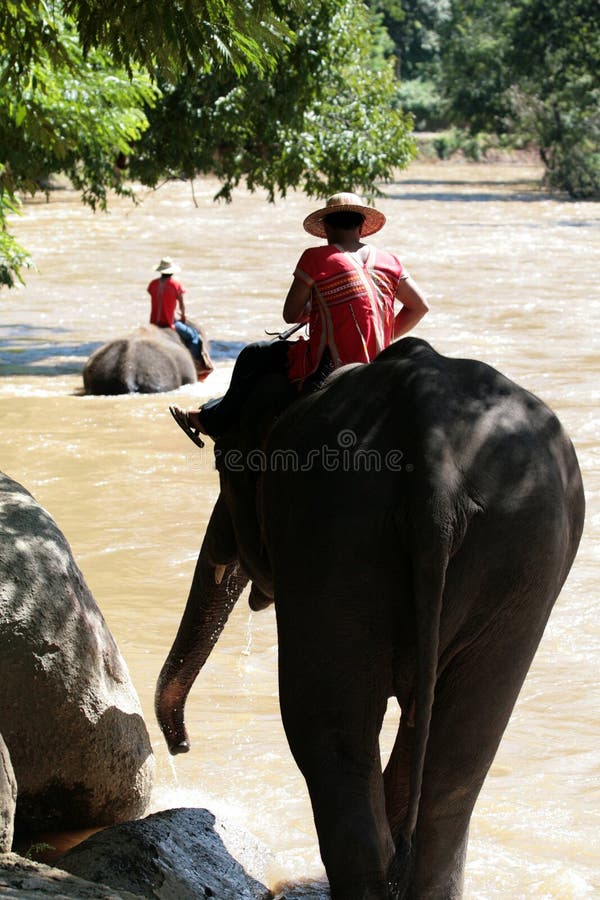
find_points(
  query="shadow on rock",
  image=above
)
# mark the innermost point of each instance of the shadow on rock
(174, 853)
(21, 877)
(69, 713)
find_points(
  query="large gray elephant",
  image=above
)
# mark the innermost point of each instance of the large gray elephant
(414, 521)
(147, 361)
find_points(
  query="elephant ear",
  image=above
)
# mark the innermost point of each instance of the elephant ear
(220, 544)
(269, 399)
(259, 412)
(240, 456)
(258, 599)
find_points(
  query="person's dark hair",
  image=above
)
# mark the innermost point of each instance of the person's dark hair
(344, 219)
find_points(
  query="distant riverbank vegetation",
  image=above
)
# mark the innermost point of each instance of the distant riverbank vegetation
(310, 94)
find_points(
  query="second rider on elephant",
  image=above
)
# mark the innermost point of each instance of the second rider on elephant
(345, 291)
(166, 295)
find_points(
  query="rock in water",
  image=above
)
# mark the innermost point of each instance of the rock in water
(8, 799)
(171, 854)
(69, 713)
(21, 878)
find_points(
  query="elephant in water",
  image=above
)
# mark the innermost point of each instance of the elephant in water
(414, 521)
(148, 361)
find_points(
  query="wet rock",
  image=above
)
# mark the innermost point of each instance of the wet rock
(21, 878)
(8, 798)
(303, 891)
(175, 855)
(69, 713)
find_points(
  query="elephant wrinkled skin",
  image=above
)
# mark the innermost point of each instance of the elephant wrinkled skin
(148, 361)
(438, 507)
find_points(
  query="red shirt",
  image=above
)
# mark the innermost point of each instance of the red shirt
(164, 293)
(352, 309)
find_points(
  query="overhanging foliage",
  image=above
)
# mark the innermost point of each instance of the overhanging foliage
(323, 121)
(281, 95)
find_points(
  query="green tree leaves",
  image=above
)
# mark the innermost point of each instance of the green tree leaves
(555, 98)
(184, 34)
(294, 94)
(323, 120)
(13, 257)
(280, 94)
(60, 111)
(527, 70)
(519, 71)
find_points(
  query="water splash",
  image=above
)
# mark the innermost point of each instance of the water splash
(249, 629)
(171, 761)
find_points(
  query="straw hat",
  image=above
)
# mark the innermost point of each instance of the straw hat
(345, 202)
(166, 266)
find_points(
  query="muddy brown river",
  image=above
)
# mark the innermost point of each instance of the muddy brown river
(512, 277)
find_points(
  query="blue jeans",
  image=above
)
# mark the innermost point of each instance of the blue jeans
(190, 338)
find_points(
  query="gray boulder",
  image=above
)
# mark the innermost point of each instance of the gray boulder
(147, 361)
(173, 855)
(21, 878)
(69, 713)
(8, 798)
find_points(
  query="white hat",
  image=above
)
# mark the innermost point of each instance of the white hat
(345, 202)
(166, 266)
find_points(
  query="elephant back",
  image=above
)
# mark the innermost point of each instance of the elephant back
(150, 360)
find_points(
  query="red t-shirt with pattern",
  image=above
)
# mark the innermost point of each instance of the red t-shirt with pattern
(352, 310)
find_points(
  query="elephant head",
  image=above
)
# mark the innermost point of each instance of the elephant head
(414, 521)
(232, 553)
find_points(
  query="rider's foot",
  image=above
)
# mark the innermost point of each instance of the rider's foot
(190, 423)
(194, 417)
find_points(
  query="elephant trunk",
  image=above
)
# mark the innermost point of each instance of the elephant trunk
(213, 594)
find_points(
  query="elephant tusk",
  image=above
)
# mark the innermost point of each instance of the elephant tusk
(219, 572)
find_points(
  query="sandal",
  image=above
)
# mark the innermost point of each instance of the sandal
(183, 421)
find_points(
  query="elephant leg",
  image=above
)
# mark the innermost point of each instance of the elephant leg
(396, 777)
(474, 698)
(333, 698)
(342, 769)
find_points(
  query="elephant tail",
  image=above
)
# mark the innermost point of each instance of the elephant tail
(429, 575)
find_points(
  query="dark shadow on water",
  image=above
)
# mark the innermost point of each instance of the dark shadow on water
(459, 182)
(478, 197)
(34, 350)
(43, 358)
(515, 190)
(226, 349)
(589, 223)
(9, 369)
(31, 350)
(20, 330)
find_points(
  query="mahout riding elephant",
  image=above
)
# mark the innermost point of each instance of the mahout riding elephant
(414, 521)
(147, 361)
